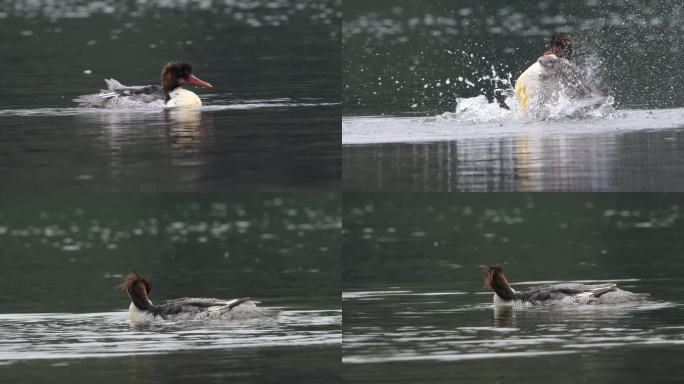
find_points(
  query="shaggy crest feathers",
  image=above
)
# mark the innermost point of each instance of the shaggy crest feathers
(131, 280)
(563, 45)
(495, 280)
(173, 72)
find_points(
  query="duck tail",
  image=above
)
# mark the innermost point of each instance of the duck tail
(247, 309)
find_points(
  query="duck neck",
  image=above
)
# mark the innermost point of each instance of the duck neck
(140, 299)
(169, 82)
(502, 288)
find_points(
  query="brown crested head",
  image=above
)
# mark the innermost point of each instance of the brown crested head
(137, 287)
(135, 284)
(176, 73)
(173, 73)
(563, 45)
(489, 274)
(495, 280)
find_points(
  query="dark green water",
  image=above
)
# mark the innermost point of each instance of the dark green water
(271, 122)
(415, 309)
(432, 59)
(63, 254)
(407, 56)
(260, 365)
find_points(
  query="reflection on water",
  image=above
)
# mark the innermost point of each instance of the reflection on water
(185, 133)
(632, 161)
(188, 135)
(255, 149)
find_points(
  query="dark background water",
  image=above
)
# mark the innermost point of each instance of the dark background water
(415, 309)
(64, 253)
(406, 56)
(67, 251)
(274, 65)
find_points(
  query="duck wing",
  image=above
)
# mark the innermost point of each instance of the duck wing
(201, 302)
(210, 308)
(118, 95)
(194, 305)
(561, 291)
(577, 293)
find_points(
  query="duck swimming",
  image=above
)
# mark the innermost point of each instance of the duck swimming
(556, 294)
(142, 310)
(169, 94)
(553, 74)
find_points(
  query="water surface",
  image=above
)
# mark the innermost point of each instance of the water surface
(271, 122)
(63, 255)
(415, 310)
(411, 56)
(635, 150)
(423, 85)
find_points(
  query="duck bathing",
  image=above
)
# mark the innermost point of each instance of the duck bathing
(555, 294)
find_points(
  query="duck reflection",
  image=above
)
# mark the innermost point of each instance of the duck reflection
(503, 317)
(510, 317)
(525, 163)
(186, 134)
(179, 138)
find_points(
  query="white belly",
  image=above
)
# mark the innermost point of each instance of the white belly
(182, 98)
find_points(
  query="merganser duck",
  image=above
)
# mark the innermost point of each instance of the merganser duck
(168, 94)
(542, 82)
(142, 310)
(556, 294)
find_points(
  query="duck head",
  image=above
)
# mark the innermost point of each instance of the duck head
(138, 289)
(495, 280)
(176, 73)
(562, 45)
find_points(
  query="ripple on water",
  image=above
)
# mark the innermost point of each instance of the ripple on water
(402, 326)
(237, 105)
(109, 334)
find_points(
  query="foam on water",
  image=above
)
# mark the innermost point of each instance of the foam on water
(478, 119)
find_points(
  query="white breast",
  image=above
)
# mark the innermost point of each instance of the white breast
(535, 88)
(182, 98)
(139, 317)
(499, 302)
